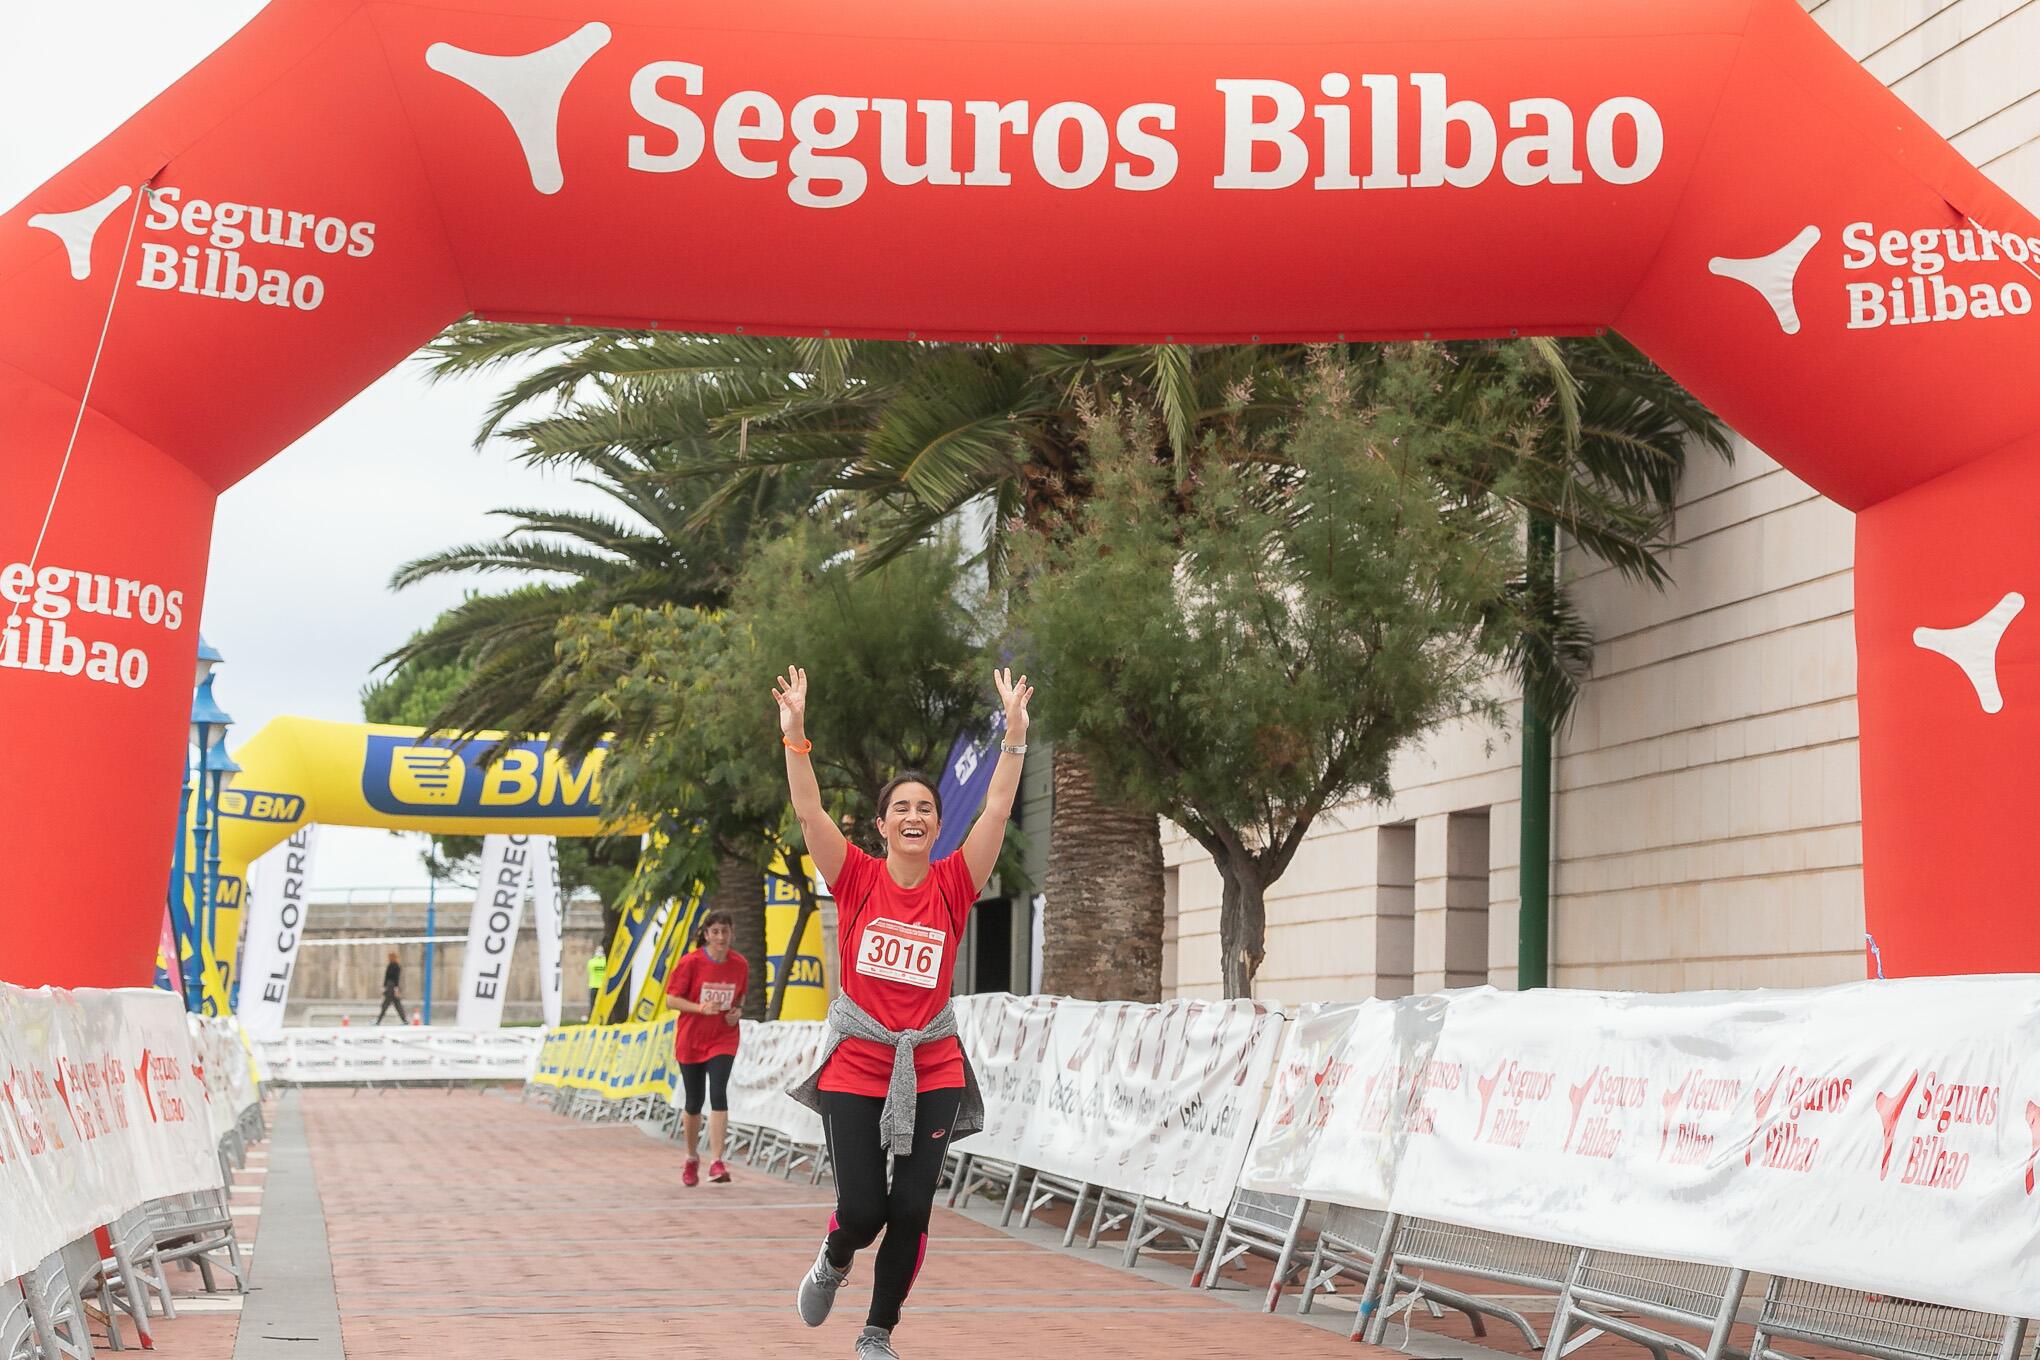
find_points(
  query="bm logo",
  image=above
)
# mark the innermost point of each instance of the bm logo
(403, 775)
(254, 805)
(807, 971)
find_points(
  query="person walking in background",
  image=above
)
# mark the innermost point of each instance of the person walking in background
(598, 973)
(706, 988)
(894, 1082)
(392, 980)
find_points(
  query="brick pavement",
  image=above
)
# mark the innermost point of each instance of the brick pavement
(466, 1224)
(471, 1225)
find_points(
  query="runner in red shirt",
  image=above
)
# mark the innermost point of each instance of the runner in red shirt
(707, 990)
(899, 922)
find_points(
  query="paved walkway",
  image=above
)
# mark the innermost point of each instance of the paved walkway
(478, 1226)
(467, 1224)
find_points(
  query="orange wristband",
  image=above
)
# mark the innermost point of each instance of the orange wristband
(799, 750)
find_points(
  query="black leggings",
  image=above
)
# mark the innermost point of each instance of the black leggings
(865, 1207)
(713, 1074)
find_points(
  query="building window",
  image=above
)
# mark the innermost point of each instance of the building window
(1395, 909)
(1466, 899)
(1172, 927)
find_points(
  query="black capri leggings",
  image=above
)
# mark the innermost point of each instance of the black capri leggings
(865, 1206)
(714, 1075)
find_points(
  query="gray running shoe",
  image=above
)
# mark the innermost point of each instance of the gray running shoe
(818, 1288)
(875, 1343)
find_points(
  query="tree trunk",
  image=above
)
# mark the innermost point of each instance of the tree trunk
(1102, 937)
(740, 891)
(1242, 926)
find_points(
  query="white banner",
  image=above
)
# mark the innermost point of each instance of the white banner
(1364, 1119)
(309, 1057)
(492, 931)
(102, 1109)
(1881, 1136)
(276, 925)
(225, 1066)
(549, 916)
(772, 1059)
(1155, 1100)
(1299, 1103)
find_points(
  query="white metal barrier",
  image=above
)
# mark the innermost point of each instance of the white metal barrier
(368, 1056)
(1881, 1138)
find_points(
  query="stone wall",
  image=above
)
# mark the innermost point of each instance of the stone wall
(334, 980)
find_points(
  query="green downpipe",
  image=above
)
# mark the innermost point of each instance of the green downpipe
(1533, 930)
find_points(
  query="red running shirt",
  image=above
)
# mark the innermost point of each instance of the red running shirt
(896, 956)
(698, 978)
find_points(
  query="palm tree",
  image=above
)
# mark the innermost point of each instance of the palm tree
(924, 433)
(659, 547)
(920, 434)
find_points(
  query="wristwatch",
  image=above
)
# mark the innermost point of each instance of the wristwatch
(1010, 749)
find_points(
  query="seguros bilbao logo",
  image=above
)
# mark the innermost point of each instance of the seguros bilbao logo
(404, 776)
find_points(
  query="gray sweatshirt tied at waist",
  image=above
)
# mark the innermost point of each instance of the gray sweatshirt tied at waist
(848, 1020)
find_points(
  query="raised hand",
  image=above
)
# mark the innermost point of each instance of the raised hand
(790, 690)
(1013, 696)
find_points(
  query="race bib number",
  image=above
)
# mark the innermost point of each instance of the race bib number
(898, 952)
(722, 994)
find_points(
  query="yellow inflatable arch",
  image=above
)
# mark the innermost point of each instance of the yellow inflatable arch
(301, 770)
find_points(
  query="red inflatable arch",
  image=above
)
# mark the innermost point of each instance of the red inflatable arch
(1714, 178)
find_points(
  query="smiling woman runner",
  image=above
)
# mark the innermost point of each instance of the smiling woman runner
(707, 989)
(893, 1080)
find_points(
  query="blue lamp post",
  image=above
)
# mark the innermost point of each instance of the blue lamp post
(205, 716)
(217, 774)
(209, 723)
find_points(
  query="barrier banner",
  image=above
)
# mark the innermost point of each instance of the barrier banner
(276, 924)
(224, 1068)
(105, 1109)
(641, 1064)
(492, 930)
(310, 1057)
(772, 1059)
(1150, 1099)
(1879, 1136)
(1299, 1101)
(1882, 1136)
(1361, 1120)
(549, 917)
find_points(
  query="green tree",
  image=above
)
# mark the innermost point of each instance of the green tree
(918, 434)
(1244, 651)
(921, 434)
(686, 694)
(663, 543)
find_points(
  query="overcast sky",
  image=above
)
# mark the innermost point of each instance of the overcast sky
(299, 605)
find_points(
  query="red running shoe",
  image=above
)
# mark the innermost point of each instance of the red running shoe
(690, 1174)
(718, 1173)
